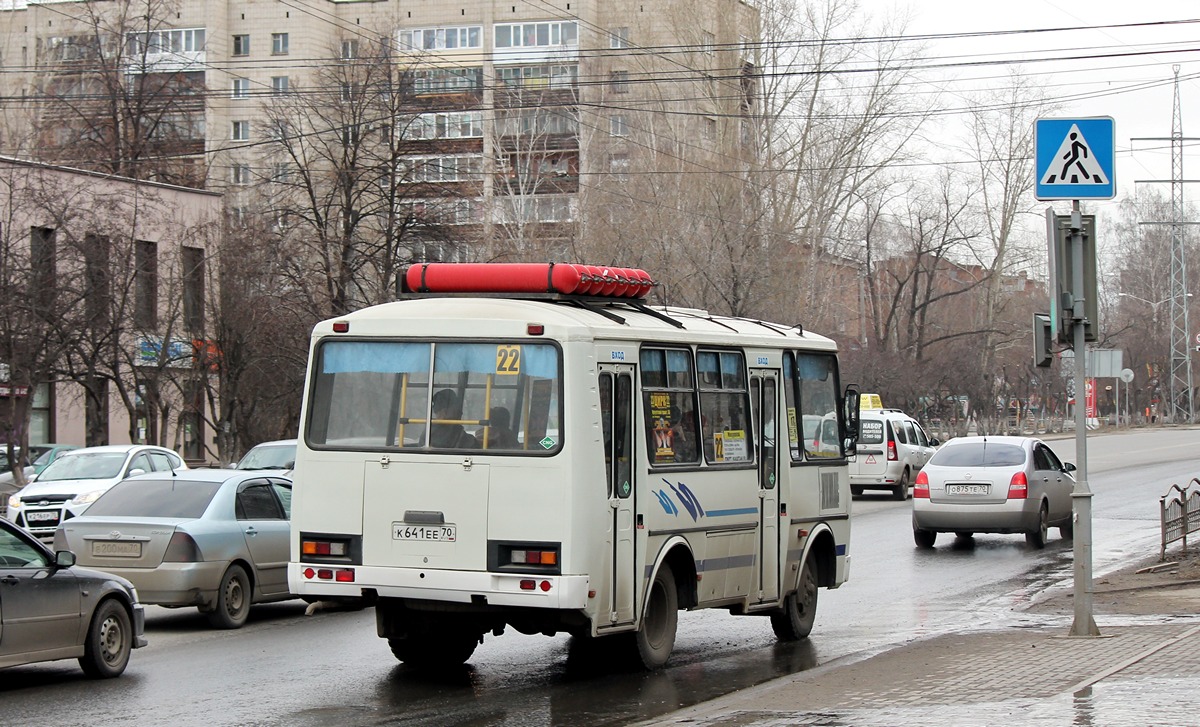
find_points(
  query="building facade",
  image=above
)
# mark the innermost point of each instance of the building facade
(104, 300)
(512, 130)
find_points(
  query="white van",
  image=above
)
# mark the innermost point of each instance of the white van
(892, 449)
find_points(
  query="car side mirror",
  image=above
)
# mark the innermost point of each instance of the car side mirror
(935, 442)
(136, 471)
(1068, 467)
(64, 558)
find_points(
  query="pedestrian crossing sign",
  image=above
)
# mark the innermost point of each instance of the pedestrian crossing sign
(1075, 158)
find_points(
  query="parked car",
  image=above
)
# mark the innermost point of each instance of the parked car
(993, 485)
(892, 449)
(211, 538)
(51, 609)
(279, 455)
(76, 478)
(43, 455)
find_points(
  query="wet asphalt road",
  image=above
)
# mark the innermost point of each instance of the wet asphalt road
(284, 668)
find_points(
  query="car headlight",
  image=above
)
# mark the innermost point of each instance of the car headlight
(86, 498)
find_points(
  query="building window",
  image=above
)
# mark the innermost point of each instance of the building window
(241, 131)
(618, 38)
(447, 80)
(349, 49)
(708, 42)
(145, 313)
(462, 168)
(241, 88)
(279, 84)
(281, 172)
(97, 278)
(468, 36)
(279, 44)
(167, 42)
(537, 35)
(618, 126)
(710, 128)
(544, 76)
(241, 45)
(43, 259)
(241, 174)
(193, 289)
(618, 164)
(462, 125)
(618, 81)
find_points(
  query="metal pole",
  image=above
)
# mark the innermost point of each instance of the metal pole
(1081, 496)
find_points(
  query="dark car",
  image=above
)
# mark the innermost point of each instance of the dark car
(52, 609)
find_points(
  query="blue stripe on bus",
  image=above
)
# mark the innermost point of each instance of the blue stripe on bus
(735, 511)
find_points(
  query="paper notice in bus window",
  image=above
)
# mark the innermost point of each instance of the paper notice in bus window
(660, 420)
(793, 432)
(735, 445)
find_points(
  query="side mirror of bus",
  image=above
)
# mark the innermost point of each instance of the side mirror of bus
(850, 403)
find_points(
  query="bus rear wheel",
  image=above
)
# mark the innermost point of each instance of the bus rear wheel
(795, 620)
(655, 639)
(437, 650)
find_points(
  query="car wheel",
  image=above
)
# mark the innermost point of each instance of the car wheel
(655, 638)
(233, 600)
(799, 612)
(924, 538)
(901, 491)
(1037, 538)
(1067, 529)
(109, 641)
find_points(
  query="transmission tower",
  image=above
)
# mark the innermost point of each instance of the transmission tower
(1180, 407)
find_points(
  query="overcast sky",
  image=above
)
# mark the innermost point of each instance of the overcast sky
(1136, 90)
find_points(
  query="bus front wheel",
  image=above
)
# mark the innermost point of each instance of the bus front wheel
(656, 636)
(795, 620)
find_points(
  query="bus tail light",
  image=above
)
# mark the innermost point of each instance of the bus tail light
(921, 486)
(535, 558)
(1018, 487)
(182, 549)
(323, 547)
(341, 575)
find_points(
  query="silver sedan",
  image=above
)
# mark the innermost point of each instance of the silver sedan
(214, 539)
(993, 485)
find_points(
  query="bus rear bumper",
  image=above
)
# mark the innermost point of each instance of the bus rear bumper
(493, 589)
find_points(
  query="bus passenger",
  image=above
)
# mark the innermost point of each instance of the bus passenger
(499, 436)
(446, 406)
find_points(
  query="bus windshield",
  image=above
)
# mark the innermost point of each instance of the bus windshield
(431, 396)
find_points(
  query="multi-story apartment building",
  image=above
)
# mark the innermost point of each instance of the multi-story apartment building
(545, 124)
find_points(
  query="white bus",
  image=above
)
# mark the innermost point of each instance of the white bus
(572, 464)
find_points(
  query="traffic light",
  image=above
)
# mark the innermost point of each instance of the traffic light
(1043, 334)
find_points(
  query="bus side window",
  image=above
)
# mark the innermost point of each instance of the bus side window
(606, 426)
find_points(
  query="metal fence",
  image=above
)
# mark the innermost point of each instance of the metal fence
(1179, 510)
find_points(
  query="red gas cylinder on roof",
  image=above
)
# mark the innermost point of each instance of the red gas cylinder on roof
(562, 278)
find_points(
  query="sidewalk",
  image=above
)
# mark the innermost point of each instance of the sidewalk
(1142, 670)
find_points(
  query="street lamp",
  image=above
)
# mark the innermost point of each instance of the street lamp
(1153, 305)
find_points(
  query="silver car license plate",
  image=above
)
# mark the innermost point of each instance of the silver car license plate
(967, 489)
(118, 549)
(433, 533)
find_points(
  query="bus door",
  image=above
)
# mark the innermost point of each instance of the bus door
(616, 412)
(764, 397)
